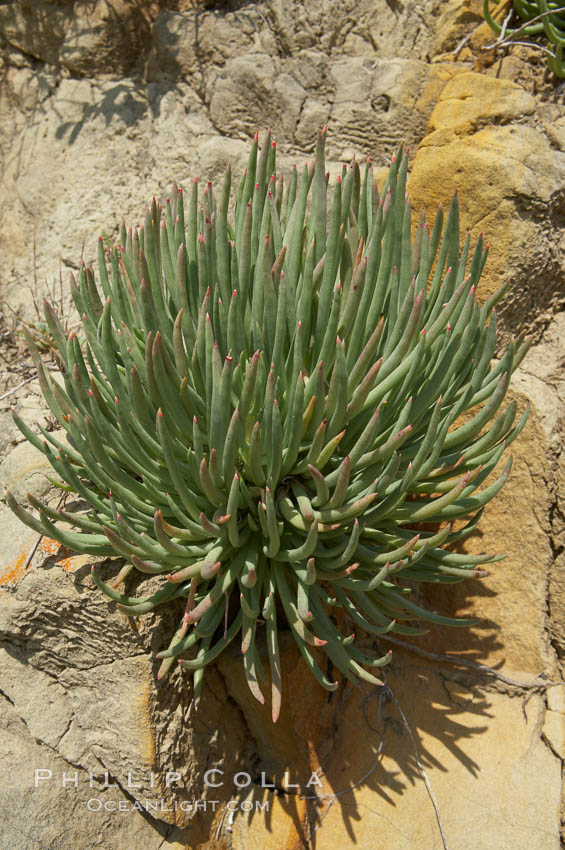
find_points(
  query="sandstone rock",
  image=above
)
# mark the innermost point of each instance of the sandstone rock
(77, 677)
(455, 747)
(105, 37)
(99, 38)
(36, 28)
(17, 544)
(30, 89)
(347, 27)
(28, 813)
(312, 70)
(186, 46)
(81, 679)
(189, 43)
(438, 76)
(372, 785)
(541, 377)
(508, 178)
(9, 434)
(554, 732)
(511, 603)
(249, 88)
(556, 699)
(372, 96)
(154, 132)
(314, 114)
(151, 135)
(554, 125)
(387, 31)
(454, 23)
(24, 471)
(296, 744)
(469, 100)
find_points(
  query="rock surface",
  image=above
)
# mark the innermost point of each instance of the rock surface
(102, 104)
(485, 139)
(101, 37)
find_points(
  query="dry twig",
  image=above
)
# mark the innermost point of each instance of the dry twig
(17, 387)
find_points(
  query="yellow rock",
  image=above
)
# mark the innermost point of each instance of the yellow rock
(469, 99)
(554, 731)
(502, 173)
(506, 172)
(439, 75)
(281, 827)
(455, 21)
(479, 757)
(556, 699)
(510, 604)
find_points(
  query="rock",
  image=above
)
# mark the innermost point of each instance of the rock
(556, 699)
(105, 37)
(314, 114)
(151, 135)
(371, 784)
(30, 89)
(81, 679)
(469, 101)
(509, 632)
(541, 377)
(369, 97)
(186, 46)
(36, 28)
(508, 178)
(29, 820)
(554, 125)
(30, 615)
(312, 70)
(248, 89)
(454, 746)
(554, 732)
(154, 131)
(8, 432)
(56, 667)
(98, 38)
(388, 31)
(455, 22)
(438, 75)
(17, 543)
(304, 728)
(24, 471)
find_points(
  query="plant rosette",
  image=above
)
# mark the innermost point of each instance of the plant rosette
(264, 414)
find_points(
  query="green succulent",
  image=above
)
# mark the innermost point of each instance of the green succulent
(540, 17)
(264, 414)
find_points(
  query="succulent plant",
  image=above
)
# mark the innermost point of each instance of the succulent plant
(264, 414)
(540, 17)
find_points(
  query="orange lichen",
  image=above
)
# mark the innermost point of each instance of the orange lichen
(47, 548)
(73, 563)
(61, 555)
(12, 574)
